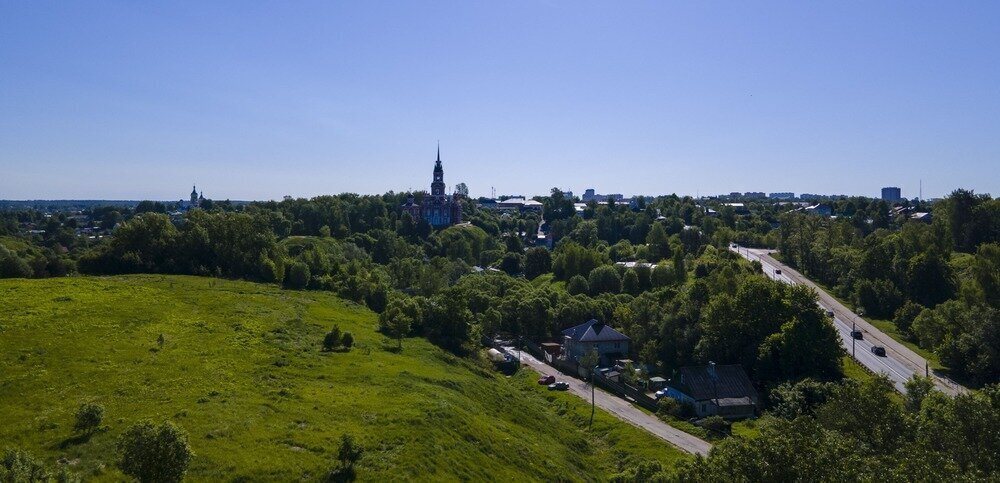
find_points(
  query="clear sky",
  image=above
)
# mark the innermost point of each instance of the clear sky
(256, 100)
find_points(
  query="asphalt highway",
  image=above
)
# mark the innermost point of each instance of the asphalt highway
(900, 363)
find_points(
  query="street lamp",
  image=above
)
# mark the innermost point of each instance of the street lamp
(854, 329)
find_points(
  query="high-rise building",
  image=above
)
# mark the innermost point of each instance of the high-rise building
(891, 193)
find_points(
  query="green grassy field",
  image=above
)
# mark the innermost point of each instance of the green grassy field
(242, 372)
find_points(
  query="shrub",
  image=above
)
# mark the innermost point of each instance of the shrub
(88, 417)
(298, 276)
(347, 340)
(151, 453)
(347, 456)
(16, 466)
(716, 424)
(12, 266)
(333, 339)
(670, 407)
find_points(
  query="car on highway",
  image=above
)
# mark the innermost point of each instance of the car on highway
(546, 380)
(829, 313)
(857, 334)
(777, 271)
(559, 386)
(878, 350)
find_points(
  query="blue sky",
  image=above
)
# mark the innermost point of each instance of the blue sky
(256, 100)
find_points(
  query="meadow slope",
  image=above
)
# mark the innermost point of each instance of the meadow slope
(242, 372)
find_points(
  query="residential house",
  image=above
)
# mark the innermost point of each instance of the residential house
(593, 335)
(723, 390)
(821, 209)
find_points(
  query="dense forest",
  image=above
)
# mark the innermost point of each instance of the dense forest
(691, 302)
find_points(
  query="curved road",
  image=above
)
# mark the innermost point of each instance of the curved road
(900, 362)
(621, 408)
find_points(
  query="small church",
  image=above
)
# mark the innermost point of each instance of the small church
(438, 208)
(196, 198)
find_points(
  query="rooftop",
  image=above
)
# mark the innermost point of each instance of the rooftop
(594, 331)
(724, 382)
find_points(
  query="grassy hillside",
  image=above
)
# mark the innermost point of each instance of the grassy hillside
(242, 372)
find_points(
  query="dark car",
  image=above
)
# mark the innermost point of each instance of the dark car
(878, 350)
(559, 386)
(777, 271)
(546, 380)
(857, 334)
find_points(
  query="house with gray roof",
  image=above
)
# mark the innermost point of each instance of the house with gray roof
(723, 390)
(593, 335)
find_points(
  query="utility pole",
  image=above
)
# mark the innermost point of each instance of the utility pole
(518, 354)
(593, 404)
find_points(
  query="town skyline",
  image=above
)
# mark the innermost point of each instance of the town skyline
(132, 101)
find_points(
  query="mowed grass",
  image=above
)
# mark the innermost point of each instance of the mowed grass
(242, 372)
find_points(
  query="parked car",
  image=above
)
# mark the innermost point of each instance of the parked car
(659, 394)
(559, 386)
(878, 350)
(858, 335)
(546, 380)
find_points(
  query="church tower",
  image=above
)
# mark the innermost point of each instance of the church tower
(194, 196)
(437, 186)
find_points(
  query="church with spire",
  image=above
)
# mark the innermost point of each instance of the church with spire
(196, 198)
(438, 208)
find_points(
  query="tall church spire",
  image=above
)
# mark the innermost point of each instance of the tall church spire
(437, 186)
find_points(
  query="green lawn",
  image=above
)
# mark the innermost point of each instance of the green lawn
(242, 373)
(548, 280)
(854, 370)
(748, 428)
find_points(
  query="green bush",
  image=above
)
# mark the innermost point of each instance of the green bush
(298, 276)
(154, 453)
(333, 339)
(716, 424)
(88, 417)
(669, 406)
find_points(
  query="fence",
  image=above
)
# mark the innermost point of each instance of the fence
(534, 349)
(573, 369)
(625, 391)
